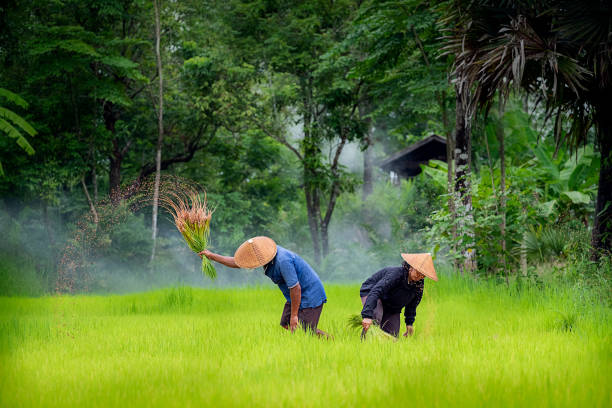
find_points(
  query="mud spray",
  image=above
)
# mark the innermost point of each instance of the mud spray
(95, 227)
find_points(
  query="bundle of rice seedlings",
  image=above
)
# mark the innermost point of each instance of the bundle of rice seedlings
(354, 322)
(192, 218)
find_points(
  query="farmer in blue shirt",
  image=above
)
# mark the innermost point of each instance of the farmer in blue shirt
(299, 283)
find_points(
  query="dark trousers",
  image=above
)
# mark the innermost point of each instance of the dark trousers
(308, 317)
(389, 322)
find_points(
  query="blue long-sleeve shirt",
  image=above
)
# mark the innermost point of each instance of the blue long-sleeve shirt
(287, 269)
(392, 286)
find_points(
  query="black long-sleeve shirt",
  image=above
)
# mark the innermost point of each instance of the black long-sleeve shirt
(392, 286)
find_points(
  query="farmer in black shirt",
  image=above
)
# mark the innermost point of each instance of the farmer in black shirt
(385, 293)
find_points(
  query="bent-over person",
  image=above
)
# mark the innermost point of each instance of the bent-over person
(388, 291)
(298, 282)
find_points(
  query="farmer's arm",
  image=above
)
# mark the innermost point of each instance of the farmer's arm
(410, 310)
(382, 286)
(287, 270)
(296, 298)
(224, 260)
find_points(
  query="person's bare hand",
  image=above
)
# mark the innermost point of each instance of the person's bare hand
(366, 323)
(206, 253)
(293, 323)
(409, 331)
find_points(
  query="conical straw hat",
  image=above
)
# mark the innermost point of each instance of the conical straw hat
(255, 252)
(422, 263)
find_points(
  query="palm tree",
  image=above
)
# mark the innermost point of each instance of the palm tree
(12, 125)
(558, 50)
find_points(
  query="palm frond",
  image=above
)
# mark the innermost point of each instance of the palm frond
(17, 120)
(13, 98)
(504, 46)
(13, 133)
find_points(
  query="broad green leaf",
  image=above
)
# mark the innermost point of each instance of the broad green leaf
(17, 120)
(13, 133)
(13, 98)
(578, 176)
(438, 175)
(438, 164)
(564, 175)
(112, 92)
(547, 208)
(577, 197)
(78, 47)
(546, 161)
(118, 62)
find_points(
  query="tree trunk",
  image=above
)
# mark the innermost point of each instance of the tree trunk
(450, 165)
(325, 222)
(368, 179)
(324, 241)
(111, 116)
(313, 224)
(94, 180)
(115, 160)
(317, 217)
(333, 196)
(491, 174)
(312, 198)
(463, 195)
(364, 109)
(602, 225)
(160, 127)
(310, 162)
(450, 172)
(502, 188)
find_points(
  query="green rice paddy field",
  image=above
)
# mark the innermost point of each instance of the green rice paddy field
(474, 345)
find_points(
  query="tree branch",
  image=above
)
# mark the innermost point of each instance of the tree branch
(126, 147)
(284, 141)
(335, 191)
(184, 157)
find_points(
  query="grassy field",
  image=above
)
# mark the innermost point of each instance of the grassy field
(474, 345)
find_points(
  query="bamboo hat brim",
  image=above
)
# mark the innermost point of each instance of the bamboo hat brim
(422, 263)
(255, 252)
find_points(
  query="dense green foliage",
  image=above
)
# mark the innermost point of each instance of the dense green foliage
(475, 344)
(281, 110)
(544, 193)
(558, 51)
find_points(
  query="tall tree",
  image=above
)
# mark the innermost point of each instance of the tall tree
(396, 47)
(87, 59)
(289, 39)
(561, 51)
(464, 114)
(160, 124)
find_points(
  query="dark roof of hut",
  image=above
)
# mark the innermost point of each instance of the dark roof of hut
(407, 162)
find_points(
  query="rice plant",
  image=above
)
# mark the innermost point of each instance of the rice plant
(191, 216)
(476, 344)
(566, 321)
(354, 322)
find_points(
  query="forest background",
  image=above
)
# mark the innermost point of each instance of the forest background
(282, 111)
